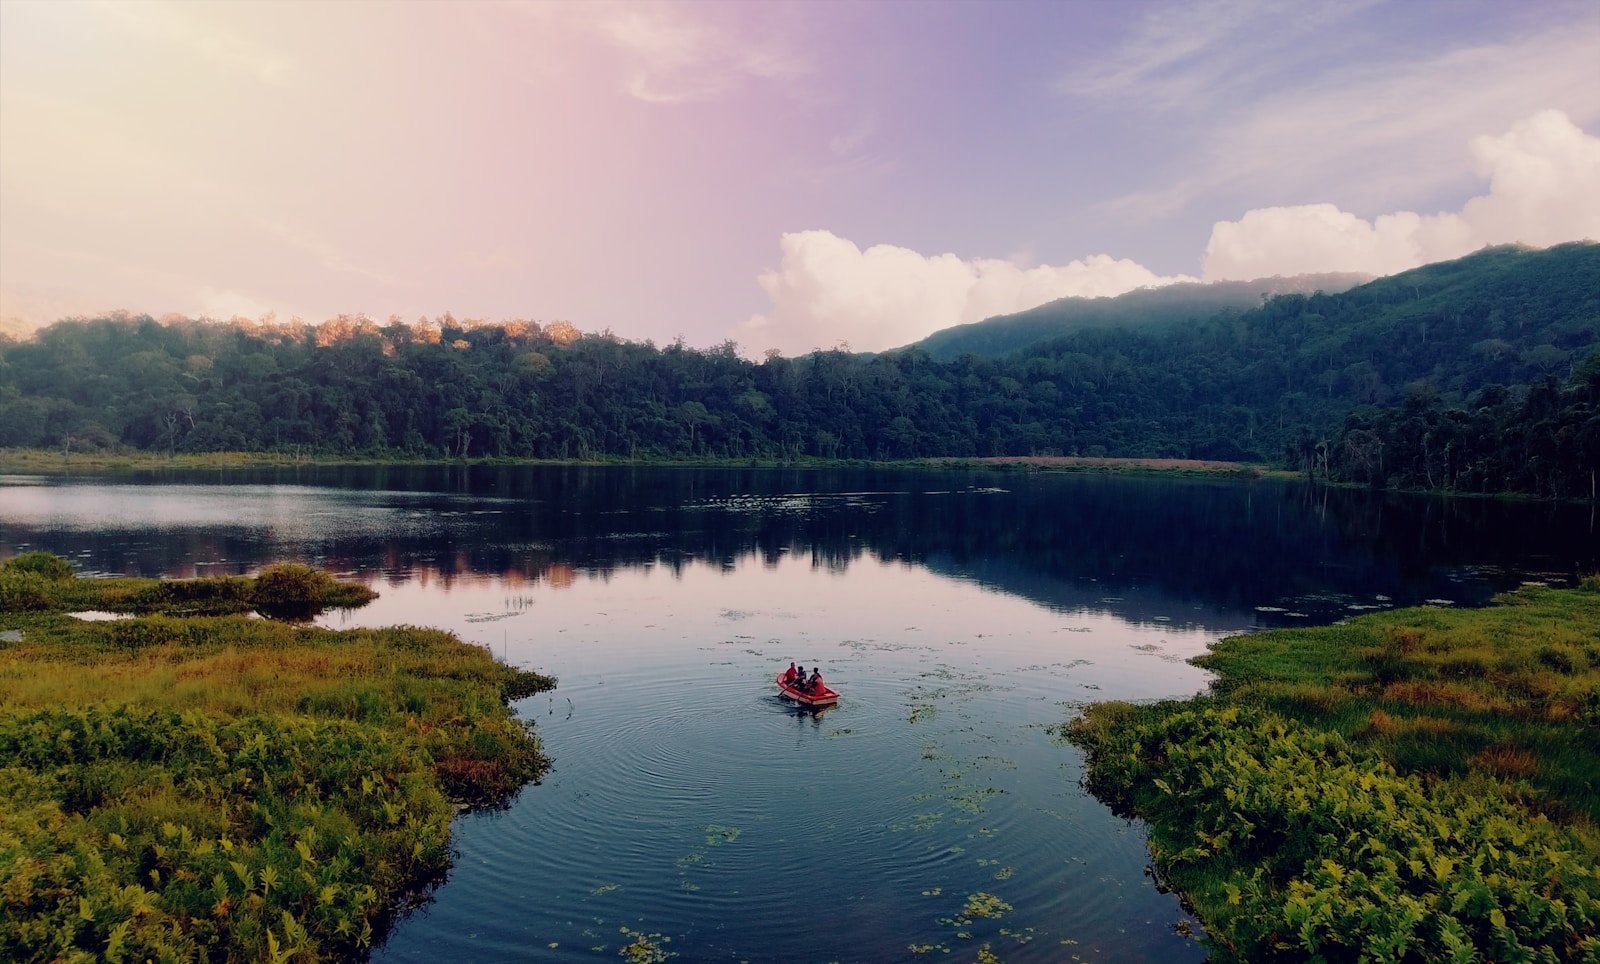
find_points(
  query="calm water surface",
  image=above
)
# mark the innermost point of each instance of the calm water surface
(962, 616)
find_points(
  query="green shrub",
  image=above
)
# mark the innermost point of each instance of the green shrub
(290, 583)
(1295, 844)
(292, 590)
(134, 834)
(44, 564)
(21, 591)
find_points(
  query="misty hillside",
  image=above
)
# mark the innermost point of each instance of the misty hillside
(1478, 374)
(1146, 307)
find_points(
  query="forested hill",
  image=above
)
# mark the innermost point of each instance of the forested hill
(1473, 374)
(1149, 308)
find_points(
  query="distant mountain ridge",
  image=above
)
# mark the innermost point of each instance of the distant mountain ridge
(1142, 308)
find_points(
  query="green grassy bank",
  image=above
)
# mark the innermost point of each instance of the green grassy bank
(187, 785)
(42, 461)
(1415, 785)
(50, 462)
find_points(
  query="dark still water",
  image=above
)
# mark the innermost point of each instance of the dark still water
(961, 615)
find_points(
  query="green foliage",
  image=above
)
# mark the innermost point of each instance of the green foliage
(40, 581)
(1512, 690)
(1411, 785)
(1273, 381)
(291, 584)
(21, 591)
(1544, 440)
(295, 589)
(1295, 844)
(1147, 308)
(210, 594)
(44, 564)
(186, 787)
(140, 833)
(32, 581)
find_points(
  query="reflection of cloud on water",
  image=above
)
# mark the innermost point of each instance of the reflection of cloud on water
(283, 513)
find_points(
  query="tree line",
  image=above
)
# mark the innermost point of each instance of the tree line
(1483, 345)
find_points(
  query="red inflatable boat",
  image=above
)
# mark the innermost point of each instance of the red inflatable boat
(825, 698)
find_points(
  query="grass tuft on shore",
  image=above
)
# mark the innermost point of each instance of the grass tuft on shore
(40, 581)
(1412, 785)
(220, 787)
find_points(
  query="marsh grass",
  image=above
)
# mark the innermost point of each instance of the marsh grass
(1433, 689)
(198, 786)
(39, 581)
(1411, 785)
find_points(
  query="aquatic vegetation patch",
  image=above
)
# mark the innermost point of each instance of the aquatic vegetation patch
(1436, 803)
(645, 948)
(717, 835)
(984, 905)
(919, 822)
(970, 800)
(229, 788)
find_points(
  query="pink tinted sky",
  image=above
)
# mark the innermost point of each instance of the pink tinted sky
(788, 175)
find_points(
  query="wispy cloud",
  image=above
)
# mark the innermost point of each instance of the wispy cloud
(1369, 127)
(78, 145)
(675, 53)
(326, 253)
(848, 143)
(1179, 55)
(179, 24)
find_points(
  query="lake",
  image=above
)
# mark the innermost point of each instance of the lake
(963, 616)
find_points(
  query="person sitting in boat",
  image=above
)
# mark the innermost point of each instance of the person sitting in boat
(799, 681)
(815, 685)
(791, 674)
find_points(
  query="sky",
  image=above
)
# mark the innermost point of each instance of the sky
(786, 175)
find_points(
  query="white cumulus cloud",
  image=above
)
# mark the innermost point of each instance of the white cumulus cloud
(828, 290)
(1544, 188)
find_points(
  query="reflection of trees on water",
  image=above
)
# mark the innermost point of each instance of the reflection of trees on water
(1064, 541)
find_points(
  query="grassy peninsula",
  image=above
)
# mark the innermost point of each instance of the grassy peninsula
(195, 783)
(1421, 784)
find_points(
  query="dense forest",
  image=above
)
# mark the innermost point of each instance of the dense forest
(1474, 375)
(1149, 308)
